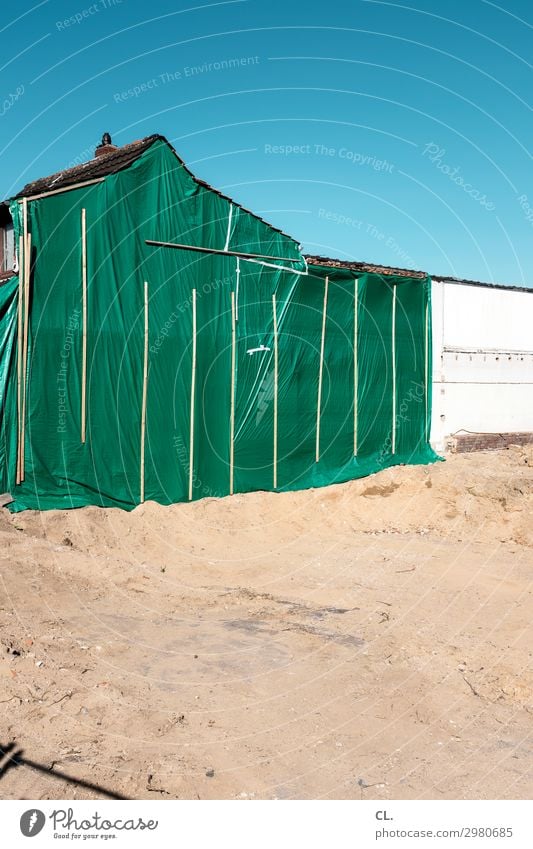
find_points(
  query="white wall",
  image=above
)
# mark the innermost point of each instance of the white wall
(482, 360)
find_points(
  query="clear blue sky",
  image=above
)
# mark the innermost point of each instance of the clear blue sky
(379, 131)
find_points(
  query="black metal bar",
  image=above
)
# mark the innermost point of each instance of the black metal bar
(216, 251)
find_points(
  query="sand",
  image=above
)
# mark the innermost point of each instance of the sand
(368, 640)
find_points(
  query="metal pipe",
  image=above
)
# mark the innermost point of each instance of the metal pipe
(216, 251)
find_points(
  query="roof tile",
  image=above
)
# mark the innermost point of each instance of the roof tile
(363, 267)
(101, 166)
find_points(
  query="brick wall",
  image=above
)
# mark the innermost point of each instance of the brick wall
(466, 442)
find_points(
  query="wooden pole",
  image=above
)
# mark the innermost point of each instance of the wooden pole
(25, 218)
(22, 292)
(65, 189)
(393, 446)
(27, 271)
(193, 388)
(203, 250)
(19, 351)
(275, 462)
(321, 368)
(426, 371)
(84, 323)
(145, 387)
(232, 401)
(355, 363)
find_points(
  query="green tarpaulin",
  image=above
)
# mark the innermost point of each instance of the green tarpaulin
(243, 390)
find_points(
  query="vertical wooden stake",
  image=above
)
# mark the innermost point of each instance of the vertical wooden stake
(426, 371)
(27, 271)
(20, 307)
(193, 388)
(321, 368)
(393, 446)
(275, 461)
(355, 363)
(22, 278)
(83, 323)
(232, 400)
(145, 387)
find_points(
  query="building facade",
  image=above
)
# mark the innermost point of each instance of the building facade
(482, 362)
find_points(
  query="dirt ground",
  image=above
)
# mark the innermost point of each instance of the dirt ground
(367, 640)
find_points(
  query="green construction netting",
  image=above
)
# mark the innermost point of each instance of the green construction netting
(222, 403)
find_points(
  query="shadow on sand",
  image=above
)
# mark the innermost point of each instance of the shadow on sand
(12, 757)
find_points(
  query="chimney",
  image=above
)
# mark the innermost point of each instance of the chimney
(105, 146)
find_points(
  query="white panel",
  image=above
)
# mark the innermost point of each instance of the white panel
(480, 317)
(485, 408)
(482, 360)
(487, 367)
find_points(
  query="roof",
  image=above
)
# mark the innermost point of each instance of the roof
(117, 160)
(462, 282)
(363, 267)
(122, 157)
(369, 268)
(101, 166)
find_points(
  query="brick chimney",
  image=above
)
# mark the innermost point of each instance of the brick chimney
(105, 146)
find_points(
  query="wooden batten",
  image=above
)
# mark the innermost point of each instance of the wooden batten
(355, 361)
(321, 369)
(393, 346)
(145, 390)
(27, 273)
(193, 396)
(275, 457)
(84, 325)
(232, 399)
(63, 190)
(20, 307)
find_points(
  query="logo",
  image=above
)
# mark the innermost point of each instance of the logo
(32, 822)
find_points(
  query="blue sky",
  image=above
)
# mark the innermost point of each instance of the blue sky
(389, 132)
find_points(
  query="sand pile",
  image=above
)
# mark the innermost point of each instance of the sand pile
(370, 640)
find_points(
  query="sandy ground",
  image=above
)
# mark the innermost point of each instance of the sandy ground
(368, 640)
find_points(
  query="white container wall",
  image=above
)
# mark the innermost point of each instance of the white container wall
(482, 360)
